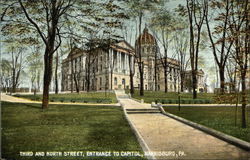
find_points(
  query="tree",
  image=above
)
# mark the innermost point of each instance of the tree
(5, 75)
(195, 11)
(164, 22)
(137, 8)
(181, 46)
(16, 66)
(239, 33)
(34, 61)
(48, 18)
(218, 39)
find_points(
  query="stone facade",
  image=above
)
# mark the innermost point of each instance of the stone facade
(110, 69)
(201, 85)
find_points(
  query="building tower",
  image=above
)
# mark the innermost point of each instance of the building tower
(149, 52)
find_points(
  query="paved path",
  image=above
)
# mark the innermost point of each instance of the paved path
(165, 135)
(8, 98)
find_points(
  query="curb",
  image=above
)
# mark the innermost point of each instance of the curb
(143, 144)
(203, 105)
(230, 139)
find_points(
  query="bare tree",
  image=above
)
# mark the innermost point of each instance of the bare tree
(196, 15)
(35, 66)
(17, 67)
(219, 44)
(239, 34)
(5, 75)
(165, 23)
(181, 46)
(137, 9)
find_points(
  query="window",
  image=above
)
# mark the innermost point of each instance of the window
(115, 81)
(123, 81)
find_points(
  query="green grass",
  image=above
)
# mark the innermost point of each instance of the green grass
(65, 128)
(91, 97)
(172, 97)
(218, 118)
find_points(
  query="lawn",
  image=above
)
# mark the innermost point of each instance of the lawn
(65, 128)
(218, 118)
(172, 97)
(91, 97)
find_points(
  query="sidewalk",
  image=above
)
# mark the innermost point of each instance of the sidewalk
(164, 134)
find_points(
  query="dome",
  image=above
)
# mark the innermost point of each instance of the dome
(146, 38)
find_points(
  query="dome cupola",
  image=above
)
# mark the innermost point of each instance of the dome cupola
(146, 38)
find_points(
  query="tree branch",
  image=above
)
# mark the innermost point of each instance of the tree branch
(32, 22)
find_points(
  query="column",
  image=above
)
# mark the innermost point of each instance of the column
(125, 62)
(120, 60)
(111, 58)
(117, 61)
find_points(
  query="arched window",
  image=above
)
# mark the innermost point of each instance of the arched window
(115, 81)
(123, 81)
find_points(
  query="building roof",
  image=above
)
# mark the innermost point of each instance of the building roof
(169, 60)
(123, 46)
(199, 72)
(146, 38)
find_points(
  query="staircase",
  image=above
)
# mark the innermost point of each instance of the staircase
(120, 94)
(143, 111)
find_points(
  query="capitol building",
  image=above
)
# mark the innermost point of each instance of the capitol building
(110, 69)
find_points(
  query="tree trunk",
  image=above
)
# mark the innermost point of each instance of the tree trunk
(56, 78)
(222, 80)
(131, 75)
(13, 80)
(182, 82)
(141, 68)
(71, 76)
(76, 83)
(166, 80)
(194, 84)
(48, 62)
(38, 81)
(244, 99)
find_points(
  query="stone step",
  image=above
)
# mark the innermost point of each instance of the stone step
(123, 96)
(142, 111)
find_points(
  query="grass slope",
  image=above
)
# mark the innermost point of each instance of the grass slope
(219, 118)
(65, 128)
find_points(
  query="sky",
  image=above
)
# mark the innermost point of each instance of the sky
(209, 61)
(208, 67)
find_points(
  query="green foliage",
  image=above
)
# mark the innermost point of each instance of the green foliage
(184, 101)
(230, 98)
(25, 127)
(92, 97)
(219, 118)
(172, 97)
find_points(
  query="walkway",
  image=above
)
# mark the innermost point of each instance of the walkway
(164, 135)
